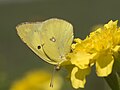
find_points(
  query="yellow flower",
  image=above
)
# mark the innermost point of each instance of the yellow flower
(104, 40)
(100, 48)
(37, 80)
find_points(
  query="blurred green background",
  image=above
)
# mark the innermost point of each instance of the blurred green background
(16, 58)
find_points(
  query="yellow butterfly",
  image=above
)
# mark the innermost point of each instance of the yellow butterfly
(50, 40)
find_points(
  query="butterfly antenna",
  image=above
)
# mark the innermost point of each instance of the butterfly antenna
(52, 79)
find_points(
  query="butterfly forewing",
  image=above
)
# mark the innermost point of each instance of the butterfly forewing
(58, 36)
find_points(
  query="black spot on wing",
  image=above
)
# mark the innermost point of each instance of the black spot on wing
(39, 47)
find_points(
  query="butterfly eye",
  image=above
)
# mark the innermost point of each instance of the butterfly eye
(53, 39)
(39, 47)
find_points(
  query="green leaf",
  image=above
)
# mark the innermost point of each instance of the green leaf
(113, 81)
(116, 67)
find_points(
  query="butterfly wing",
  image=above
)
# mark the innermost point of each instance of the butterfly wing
(57, 36)
(29, 33)
(50, 40)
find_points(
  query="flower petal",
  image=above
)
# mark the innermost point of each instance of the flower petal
(111, 24)
(82, 59)
(78, 77)
(104, 64)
